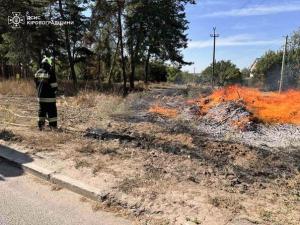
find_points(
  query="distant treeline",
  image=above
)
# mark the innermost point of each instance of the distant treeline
(108, 40)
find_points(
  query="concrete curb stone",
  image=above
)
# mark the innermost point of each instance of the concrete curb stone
(23, 161)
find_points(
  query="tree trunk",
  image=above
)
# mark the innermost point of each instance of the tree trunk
(134, 56)
(3, 68)
(122, 48)
(26, 71)
(147, 67)
(113, 63)
(68, 46)
(132, 74)
(132, 62)
(13, 71)
(99, 70)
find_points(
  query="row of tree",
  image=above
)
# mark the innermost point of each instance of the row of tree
(266, 72)
(109, 41)
(268, 67)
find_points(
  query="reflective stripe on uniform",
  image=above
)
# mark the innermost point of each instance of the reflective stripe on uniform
(50, 120)
(42, 119)
(42, 75)
(47, 100)
(54, 85)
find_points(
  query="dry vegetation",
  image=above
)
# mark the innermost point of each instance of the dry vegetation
(14, 87)
(156, 169)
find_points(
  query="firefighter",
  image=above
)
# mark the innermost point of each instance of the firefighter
(46, 86)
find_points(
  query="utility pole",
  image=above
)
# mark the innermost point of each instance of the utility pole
(283, 64)
(214, 35)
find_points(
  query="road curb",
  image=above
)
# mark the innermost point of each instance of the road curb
(75, 186)
(25, 162)
(36, 170)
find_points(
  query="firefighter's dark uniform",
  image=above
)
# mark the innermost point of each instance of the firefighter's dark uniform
(46, 85)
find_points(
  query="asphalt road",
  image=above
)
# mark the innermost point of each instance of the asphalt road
(27, 200)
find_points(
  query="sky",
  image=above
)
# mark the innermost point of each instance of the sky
(247, 29)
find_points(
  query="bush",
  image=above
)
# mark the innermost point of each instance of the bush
(225, 73)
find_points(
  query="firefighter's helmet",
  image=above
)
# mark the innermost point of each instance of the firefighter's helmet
(47, 60)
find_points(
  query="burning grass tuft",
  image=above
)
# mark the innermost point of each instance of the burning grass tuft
(268, 107)
(163, 111)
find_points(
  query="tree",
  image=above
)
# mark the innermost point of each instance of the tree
(73, 11)
(266, 62)
(268, 66)
(105, 38)
(174, 74)
(135, 27)
(158, 72)
(122, 37)
(120, 5)
(293, 57)
(23, 48)
(225, 71)
(108, 17)
(156, 29)
(245, 73)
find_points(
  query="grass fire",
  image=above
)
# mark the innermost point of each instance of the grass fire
(269, 107)
(156, 112)
(163, 111)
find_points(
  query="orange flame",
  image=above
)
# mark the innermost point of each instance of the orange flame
(269, 107)
(165, 112)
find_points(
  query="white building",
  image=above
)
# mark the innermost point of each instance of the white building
(253, 67)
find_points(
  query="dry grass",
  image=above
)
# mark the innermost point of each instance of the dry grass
(89, 108)
(56, 188)
(170, 187)
(14, 87)
(7, 116)
(227, 202)
(110, 103)
(96, 206)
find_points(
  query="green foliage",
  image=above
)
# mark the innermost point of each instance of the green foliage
(293, 58)
(245, 73)
(175, 75)
(158, 72)
(153, 32)
(225, 73)
(165, 27)
(266, 62)
(268, 67)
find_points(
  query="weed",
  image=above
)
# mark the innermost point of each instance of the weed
(266, 215)
(96, 207)
(87, 149)
(55, 188)
(193, 220)
(81, 163)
